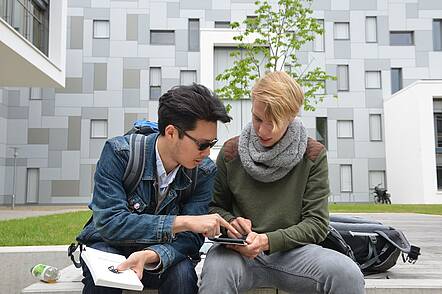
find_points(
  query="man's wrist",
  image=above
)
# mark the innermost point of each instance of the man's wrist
(151, 257)
(180, 224)
(264, 242)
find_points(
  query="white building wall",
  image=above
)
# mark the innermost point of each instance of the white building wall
(22, 64)
(409, 144)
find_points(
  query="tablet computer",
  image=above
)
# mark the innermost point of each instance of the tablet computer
(227, 240)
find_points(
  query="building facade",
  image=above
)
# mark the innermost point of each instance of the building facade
(122, 55)
(32, 55)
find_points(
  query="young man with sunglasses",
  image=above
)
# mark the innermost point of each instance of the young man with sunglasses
(159, 235)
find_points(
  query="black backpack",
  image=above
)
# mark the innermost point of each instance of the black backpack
(134, 171)
(374, 246)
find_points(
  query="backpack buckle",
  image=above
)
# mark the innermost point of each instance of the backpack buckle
(71, 249)
(414, 254)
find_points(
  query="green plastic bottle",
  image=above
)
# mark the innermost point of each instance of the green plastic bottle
(45, 273)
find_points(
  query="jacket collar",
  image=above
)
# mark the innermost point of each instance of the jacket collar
(182, 180)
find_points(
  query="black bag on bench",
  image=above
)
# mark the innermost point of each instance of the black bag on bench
(374, 246)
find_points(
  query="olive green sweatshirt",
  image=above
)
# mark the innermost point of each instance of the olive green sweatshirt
(292, 211)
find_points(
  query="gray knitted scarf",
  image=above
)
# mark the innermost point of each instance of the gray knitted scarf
(271, 164)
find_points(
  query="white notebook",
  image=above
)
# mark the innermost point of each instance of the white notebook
(99, 262)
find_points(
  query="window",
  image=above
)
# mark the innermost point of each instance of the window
(439, 177)
(194, 35)
(437, 34)
(401, 38)
(318, 42)
(101, 29)
(375, 127)
(372, 79)
(251, 21)
(155, 82)
(187, 77)
(376, 177)
(371, 34)
(342, 31)
(321, 130)
(35, 93)
(222, 24)
(396, 80)
(346, 178)
(98, 128)
(222, 61)
(438, 129)
(30, 18)
(342, 77)
(345, 129)
(3, 10)
(162, 37)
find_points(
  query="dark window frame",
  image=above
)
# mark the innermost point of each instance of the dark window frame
(193, 38)
(437, 34)
(394, 42)
(323, 120)
(400, 79)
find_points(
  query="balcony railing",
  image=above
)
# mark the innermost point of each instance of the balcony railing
(30, 18)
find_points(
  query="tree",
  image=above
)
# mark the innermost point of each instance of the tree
(277, 32)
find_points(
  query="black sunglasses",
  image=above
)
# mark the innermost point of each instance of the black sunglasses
(201, 145)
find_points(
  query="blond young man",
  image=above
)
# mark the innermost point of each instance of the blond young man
(272, 185)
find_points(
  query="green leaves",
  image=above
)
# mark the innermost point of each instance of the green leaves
(279, 30)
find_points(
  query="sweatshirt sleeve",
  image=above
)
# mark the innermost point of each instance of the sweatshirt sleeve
(222, 196)
(313, 227)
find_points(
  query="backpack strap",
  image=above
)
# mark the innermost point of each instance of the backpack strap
(135, 164)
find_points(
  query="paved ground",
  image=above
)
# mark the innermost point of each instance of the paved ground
(423, 231)
(23, 211)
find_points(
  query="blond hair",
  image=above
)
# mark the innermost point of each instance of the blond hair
(282, 95)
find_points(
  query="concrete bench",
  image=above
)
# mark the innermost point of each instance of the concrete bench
(399, 280)
(70, 283)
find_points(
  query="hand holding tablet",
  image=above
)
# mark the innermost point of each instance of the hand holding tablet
(229, 241)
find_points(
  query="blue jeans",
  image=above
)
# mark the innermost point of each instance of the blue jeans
(180, 278)
(308, 269)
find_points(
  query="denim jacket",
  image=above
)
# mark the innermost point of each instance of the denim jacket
(135, 220)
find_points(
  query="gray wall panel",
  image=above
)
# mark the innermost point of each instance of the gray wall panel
(132, 27)
(96, 13)
(38, 136)
(100, 47)
(342, 49)
(346, 148)
(58, 139)
(94, 112)
(173, 10)
(363, 5)
(100, 76)
(373, 98)
(195, 4)
(411, 10)
(76, 32)
(88, 78)
(74, 133)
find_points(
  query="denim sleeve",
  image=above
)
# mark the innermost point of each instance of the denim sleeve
(188, 243)
(111, 214)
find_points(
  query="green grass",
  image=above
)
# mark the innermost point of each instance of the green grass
(435, 209)
(57, 229)
(61, 229)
